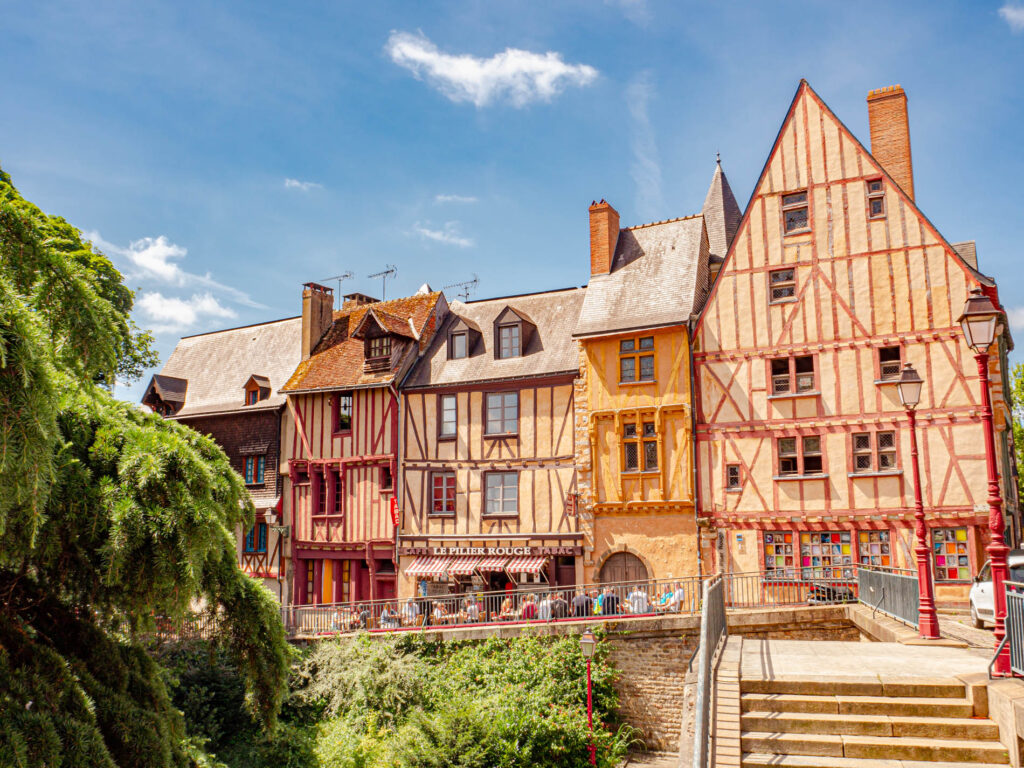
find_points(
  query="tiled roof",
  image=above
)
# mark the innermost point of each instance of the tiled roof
(217, 365)
(968, 251)
(337, 361)
(387, 321)
(170, 389)
(722, 214)
(659, 277)
(549, 350)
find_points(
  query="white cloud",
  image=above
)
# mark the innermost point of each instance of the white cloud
(305, 186)
(637, 11)
(1013, 14)
(454, 199)
(646, 166)
(1015, 317)
(513, 75)
(168, 313)
(449, 235)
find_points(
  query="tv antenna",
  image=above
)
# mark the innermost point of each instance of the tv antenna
(340, 278)
(466, 287)
(391, 271)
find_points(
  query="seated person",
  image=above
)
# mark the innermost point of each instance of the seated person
(582, 604)
(529, 612)
(507, 610)
(472, 610)
(389, 617)
(440, 614)
(559, 606)
(410, 612)
(637, 601)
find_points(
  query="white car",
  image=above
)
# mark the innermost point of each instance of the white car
(983, 607)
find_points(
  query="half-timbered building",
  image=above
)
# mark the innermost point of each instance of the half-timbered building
(488, 483)
(834, 281)
(339, 440)
(227, 384)
(633, 403)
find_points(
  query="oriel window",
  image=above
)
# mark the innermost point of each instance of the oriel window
(782, 285)
(794, 212)
(876, 199)
(636, 359)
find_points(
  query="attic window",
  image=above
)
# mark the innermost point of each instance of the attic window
(458, 346)
(794, 213)
(378, 347)
(876, 199)
(255, 389)
(252, 396)
(510, 341)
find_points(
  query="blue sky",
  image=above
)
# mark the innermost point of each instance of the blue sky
(224, 153)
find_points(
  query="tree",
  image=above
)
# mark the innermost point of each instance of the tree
(109, 516)
(1017, 410)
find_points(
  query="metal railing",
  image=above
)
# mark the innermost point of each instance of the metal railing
(712, 633)
(1015, 625)
(892, 591)
(759, 590)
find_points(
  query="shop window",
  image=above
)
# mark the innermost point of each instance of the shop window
(826, 555)
(873, 548)
(890, 363)
(876, 199)
(792, 374)
(343, 412)
(877, 455)
(805, 461)
(458, 346)
(501, 493)
(254, 469)
(256, 538)
(442, 493)
(636, 359)
(502, 413)
(779, 558)
(449, 417)
(782, 285)
(387, 480)
(509, 341)
(732, 477)
(794, 213)
(949, 547)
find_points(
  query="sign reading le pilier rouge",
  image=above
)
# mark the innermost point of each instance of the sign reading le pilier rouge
(489, 551)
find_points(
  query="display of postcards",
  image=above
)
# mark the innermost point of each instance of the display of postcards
(873, 548)
(952, 560)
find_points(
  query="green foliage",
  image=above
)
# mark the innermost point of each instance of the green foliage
(1017, 403)
(109, 516)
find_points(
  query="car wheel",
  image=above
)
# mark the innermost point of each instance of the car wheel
(978, 623)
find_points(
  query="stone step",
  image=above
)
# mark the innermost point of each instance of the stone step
(875, 747)
(761, 760)
(856, 705)
(870, 725)
(933, 688)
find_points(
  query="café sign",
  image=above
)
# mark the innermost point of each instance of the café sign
(513, 551)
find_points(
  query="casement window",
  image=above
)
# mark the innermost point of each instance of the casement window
(874, 455)
(256, 538)
(637, 443)
(501, 493)
(442, 493)
(782, 285)
(800, 456)
(502, 413)
(458, 345)
(636, 359)
(448, 420)
(792, 374)
(339, 493)
(318, 483)
(949, 548)
(650, 442)
(876, 199)
(379, 347)
(732, 477)
(890, 362)
(630, 448)
(254, 468)
(794, 213)
(873, 548)
(510, 341)
(387, 480)
(343, 412)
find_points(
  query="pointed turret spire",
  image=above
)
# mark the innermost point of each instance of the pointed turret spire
(721, 213)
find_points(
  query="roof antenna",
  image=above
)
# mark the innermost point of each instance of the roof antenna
(466, 287)
(339, 278)
(391, 271)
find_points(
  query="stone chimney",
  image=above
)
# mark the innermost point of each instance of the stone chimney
(353, 300)
(317, 315)
(890, 135)
(604, 233)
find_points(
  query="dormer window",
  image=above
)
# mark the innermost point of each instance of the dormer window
(256, 388)
(378, 347)
(458, 345)
(509, 341)
(252, 396)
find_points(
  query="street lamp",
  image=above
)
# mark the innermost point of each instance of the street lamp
(910, 385)
(982, 324)
(587, 644)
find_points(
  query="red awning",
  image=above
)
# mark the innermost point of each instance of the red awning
(428, 566)
(527, 564)
(492, 563)
(464, 566)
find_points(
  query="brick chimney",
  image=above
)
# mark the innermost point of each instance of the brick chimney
(317, 315)
(604, 233)
(890, 135)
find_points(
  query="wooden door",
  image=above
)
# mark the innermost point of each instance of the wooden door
(622, 566)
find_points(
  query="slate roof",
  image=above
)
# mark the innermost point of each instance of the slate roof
(549, 350)
(659, 277)
(721, 212)
(968, 251)
(217, 366)
(169, 388)
(337, 361)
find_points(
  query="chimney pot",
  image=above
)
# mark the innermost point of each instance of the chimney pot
(890, 135)
(604, 234)
(317, 315)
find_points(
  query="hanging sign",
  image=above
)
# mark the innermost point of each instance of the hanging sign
(394, 511)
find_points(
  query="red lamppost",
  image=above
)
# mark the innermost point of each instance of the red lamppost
(587, 645)
(910, 385)
(982, 323)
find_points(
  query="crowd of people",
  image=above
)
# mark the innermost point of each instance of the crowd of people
(540, 605)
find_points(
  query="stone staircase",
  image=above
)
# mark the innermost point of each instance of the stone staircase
(851, 723)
